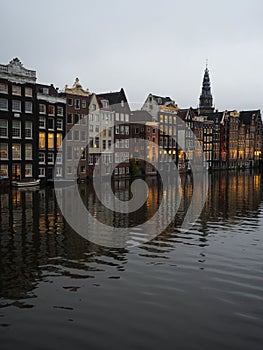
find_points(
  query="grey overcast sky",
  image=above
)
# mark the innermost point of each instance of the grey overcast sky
(143, 46)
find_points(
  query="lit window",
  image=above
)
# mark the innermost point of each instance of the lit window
(16, 90)
(16, 129)
(3, 104)
(3, 151)
(42, 143)
(28, 107)
(28, 151)
(50, 140)
(59, 140)
(4, 170)
(3, 128)
(16, 106)
(28, 170)
(28, 92)
(16, 151)
(28, 130)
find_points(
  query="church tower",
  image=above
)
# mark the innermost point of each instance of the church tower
(206, 98)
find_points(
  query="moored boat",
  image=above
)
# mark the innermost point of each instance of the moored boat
(26, 183)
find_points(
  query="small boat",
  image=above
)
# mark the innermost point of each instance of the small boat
(26, 183)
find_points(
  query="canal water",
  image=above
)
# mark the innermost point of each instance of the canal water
(201, 289)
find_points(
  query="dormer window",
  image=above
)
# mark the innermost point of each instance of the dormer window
(94, 107)
(122, 103)
(45, 90)
(105, 103)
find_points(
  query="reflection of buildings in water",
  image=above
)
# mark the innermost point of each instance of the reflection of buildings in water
(233, 194)
(32, 230)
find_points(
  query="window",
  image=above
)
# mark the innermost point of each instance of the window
(3, 88)
(50, 158)
(69, 118)
(83, 103)
(50, 140)
(28, 92)
(126, 117)
(42, 122)
(83, 169)
(153, 131)
(59, 158)
(51, 110)
(51, 123)
(70, 102)
(41, 158)
(90, 117)
(28, 151)
(117, 129)
(28, 130)
(126, 129)
(83, 135)
(28, 107)
(41, 172)
(104, 144)
(76, 118)
(28, 170)
(58, 171)
(59, 140)
(60, 111)
(96, 117)
(91, 128)
(69, 170)
(45, 90)
(3, 128)
(105, 103)
(109, 143)
(4, 170)
(94, 107)
(16, 106)
(42, 108)
(16, 151)
(69, 153)
(97, 128)
(59, 124)
(77, 103)
(42, 143)
(16, 90)
(16, 129)
(3, 151)
(3, 104)
(91, 143)
(122, 103)
(76, 135)
(97, 142)
(90, 158)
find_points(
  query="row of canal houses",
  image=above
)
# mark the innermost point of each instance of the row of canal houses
(104, 136)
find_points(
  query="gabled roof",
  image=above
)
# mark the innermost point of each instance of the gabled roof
(115, 98)
(140, 116)
(245, 117)
(162, 100)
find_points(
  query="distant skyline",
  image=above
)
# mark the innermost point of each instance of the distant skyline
(143, 46)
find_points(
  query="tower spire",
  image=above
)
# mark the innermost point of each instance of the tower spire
(206, 98)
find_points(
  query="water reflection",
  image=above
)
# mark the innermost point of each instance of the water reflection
(36, 243)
